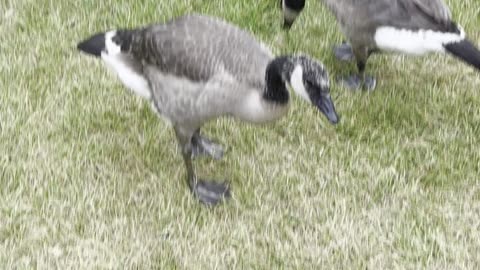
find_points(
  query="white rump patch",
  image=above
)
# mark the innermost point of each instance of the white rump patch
(296, 81)
(414, 42)
(114, 58)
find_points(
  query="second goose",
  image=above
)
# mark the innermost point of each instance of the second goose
(408, 26)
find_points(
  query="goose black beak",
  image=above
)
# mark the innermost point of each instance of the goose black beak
(326, 106)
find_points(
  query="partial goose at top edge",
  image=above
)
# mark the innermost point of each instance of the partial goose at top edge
(413, 27)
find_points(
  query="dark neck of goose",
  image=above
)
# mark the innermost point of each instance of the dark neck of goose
(124, 38)
(296, 5)
(132, 41)
(277, 74)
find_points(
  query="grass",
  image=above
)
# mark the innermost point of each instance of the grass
(91, 179)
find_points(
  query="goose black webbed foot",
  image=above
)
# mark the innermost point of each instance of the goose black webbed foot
(202, 146)
(210, 193)
(344, 52)
(357, 82)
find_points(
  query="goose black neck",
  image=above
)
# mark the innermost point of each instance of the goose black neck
(124, 38)
(296, 5)
(277, 73)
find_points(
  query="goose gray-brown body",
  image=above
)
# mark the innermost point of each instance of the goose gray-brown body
(189, 67)
(196, 68)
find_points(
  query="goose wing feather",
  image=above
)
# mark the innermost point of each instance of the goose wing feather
(197, 47)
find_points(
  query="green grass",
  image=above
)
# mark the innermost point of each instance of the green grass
(91, 179)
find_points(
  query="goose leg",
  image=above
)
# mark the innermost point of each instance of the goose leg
(368, 81)
(202, 146)
(344, 52)
(360, 80)
(209, 193)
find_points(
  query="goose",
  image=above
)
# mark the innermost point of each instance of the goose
(196, 68)
(291, 10)
(414, 27)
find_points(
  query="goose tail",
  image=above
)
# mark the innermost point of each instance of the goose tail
(466, 51)
(93, 45)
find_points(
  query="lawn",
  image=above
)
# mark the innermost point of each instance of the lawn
(92, 179)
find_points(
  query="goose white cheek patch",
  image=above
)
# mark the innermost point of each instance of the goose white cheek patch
(296, 81)
(112, 47)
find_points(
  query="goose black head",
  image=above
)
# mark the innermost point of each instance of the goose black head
(309, 79)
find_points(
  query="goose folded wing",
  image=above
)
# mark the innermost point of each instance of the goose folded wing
(436, 10)
(173, 52)
(410, 14)
(198, 48)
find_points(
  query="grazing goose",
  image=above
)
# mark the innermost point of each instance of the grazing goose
(196, 68)
(291, 9)
(407, 26)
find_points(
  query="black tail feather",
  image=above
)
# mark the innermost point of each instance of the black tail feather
(93, 45)
(466, 51)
